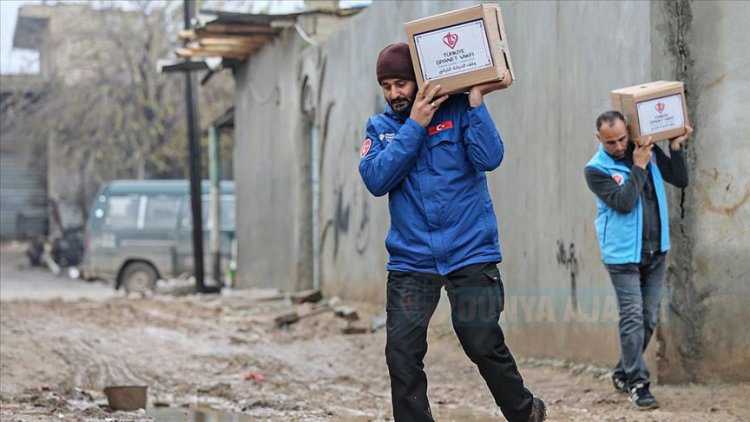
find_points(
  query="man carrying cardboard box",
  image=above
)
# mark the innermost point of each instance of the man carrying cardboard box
(429, 154)
(633, 229)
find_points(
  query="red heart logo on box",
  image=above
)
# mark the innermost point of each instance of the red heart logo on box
(660, 107)
(450, 40)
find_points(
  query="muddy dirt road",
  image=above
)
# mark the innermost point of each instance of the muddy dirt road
(226, 353)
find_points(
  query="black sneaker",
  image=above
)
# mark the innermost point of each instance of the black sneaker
(619, 381)
(538, 411)
(642, 398)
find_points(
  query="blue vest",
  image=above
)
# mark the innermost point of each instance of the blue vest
(621, 235)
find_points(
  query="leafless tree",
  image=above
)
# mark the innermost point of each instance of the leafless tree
(105, 109)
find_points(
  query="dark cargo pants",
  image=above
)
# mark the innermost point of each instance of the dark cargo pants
(476, 297)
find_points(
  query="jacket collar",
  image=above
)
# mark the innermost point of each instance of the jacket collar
(401, 117)
(610, 160)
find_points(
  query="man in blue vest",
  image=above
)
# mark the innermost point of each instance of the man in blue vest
(633, 229)
(429, 152)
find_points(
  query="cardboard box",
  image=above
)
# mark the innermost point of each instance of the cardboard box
(655, 109)
(460, 49)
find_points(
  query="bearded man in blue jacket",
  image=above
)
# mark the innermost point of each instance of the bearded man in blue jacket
(429, 152)
(633, 229)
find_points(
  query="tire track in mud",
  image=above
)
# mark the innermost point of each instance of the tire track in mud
(92, 354)
(90, 362)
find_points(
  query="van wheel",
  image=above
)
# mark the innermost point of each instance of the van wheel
(138, 277)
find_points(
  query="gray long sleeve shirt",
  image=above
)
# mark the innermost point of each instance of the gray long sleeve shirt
(622, 199)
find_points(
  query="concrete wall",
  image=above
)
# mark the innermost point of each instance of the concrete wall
(705, 336)
(551, 258)
(568, 56)
(272, 160)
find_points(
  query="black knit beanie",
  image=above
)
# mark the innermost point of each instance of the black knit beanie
(395, 62)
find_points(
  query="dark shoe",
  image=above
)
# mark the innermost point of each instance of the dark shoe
(642, 398)
(619, 381)
(538, 411)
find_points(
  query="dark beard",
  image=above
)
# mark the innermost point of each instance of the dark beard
(400, 105)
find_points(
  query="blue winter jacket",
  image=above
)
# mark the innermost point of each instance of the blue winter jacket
(621, 234)
(442, 217)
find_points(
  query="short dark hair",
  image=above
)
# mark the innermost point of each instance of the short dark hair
(609, 117)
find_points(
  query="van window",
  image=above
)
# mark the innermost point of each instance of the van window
(122, 211)
(227, 214)
(161, 212)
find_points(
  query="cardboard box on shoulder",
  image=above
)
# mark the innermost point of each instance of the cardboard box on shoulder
(460, 49)
(655, 109)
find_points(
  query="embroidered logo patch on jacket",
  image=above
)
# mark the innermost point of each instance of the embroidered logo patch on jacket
(448, 124)
(388, 137)
(365, 148)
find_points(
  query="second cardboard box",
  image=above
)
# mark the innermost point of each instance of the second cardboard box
(655, 109)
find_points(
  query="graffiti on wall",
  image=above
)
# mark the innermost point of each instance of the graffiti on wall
(351, 212)
(567, 258)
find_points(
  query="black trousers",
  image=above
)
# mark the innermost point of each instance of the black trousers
(476, 298)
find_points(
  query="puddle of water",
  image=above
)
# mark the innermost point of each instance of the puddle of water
(181, 414)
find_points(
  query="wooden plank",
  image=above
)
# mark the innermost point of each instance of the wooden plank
(237, 29)
(192, 34)
(229, 40)
(194, 45)
(305, 296)
(187, 52)
(239, 43)
(187, 34)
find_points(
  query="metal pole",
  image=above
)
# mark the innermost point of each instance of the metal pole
(315, 178)
(213, 171)
(191, 93)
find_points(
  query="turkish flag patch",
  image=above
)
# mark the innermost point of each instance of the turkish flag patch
(448, 124)
(365, 148)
